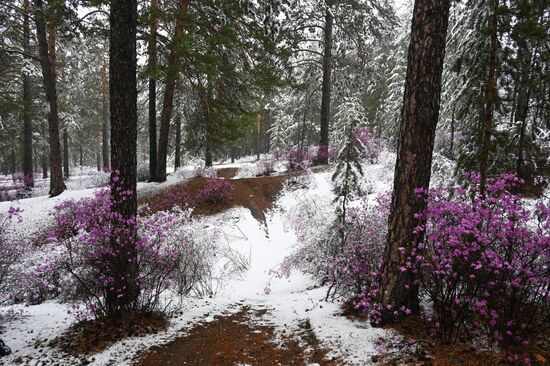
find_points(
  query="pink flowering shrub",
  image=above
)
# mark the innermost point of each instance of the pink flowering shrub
(324, 152)
(296, 159)
(86, 241)
(484, 265)
(215, 191)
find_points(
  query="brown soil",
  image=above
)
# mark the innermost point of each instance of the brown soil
(418, 348)
(94, 336)
(227, 173)
(234, 339)
(256, 194)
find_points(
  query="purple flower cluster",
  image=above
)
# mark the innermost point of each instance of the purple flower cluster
(484, 265)
(296, 159)
(94, 244)
(215, 191)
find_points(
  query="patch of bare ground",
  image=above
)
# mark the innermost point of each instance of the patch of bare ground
(256, 194)
(236, 339)
(93, 336)
(417, 347)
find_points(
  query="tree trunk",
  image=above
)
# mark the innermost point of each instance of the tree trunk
(167, 105)
(258, 132)
(66, 153)
(522, 108)
(80, 156)
(177, 153)
(414, 155)
(123, 112)
(27, 105)
(152, 50)
(57, 186)
(105, 116)
(327, 85)
(44, 165)
(451, 148)
(13, 162)
(490, 98)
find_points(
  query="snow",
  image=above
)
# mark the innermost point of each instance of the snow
(289, 302)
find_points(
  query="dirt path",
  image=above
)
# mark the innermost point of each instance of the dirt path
(238, 339)
(256, 194)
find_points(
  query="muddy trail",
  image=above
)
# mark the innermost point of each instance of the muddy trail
(241, 338)
(256, 194)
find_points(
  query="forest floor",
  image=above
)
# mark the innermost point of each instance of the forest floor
(254, 318)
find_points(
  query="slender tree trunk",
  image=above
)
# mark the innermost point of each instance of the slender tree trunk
(327, 85)
(27, 105)
(414, 155)
(66, 153)
(522, 108)
(13, 162)
(98, 156)
(57, 186)
(167, 105)
(258, 132)
(44, 165)
(451, 148)
(177, 153)
(490, 98)
(80, 156)
(123, 112)
(152, 50)
(105, 116)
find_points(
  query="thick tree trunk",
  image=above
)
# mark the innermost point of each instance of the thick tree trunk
(177, 153)
(123, 112)
(105, 116)
(414, 155)
(48, 73)
(327, 86)
(152, 50)
(167, 104)
(490, 98)
(27, 105)
(66, 153)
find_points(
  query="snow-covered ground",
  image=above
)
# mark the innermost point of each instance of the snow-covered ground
(290, 301)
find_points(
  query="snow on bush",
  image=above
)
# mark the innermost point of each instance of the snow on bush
(263, 167)
(75, 263)
(11, 252)
(296, 159)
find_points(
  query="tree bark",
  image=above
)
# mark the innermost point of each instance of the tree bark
(327, 86)
(105, 116)
(66, 153)
(44, 165)
(177, 153)
(123, 112)
(152, 50)
(13, 160)
(27, 105)
(419, 117)
(167, 105)
(57, 186)
(490, 98)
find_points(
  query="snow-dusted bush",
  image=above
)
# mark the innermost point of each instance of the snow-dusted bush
(350, 267)
(11, 252)
(263, 167)
(195, 171)
(142, 172)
